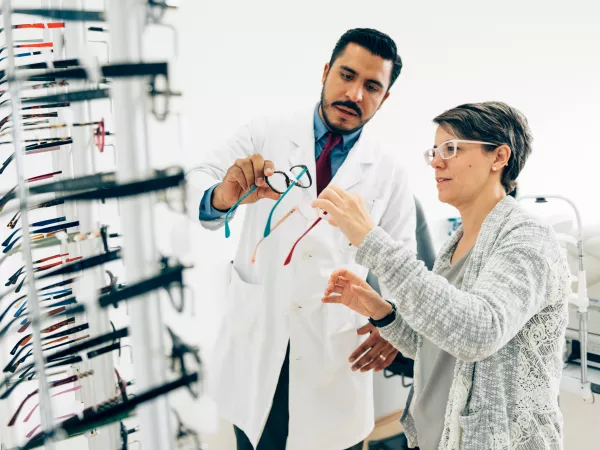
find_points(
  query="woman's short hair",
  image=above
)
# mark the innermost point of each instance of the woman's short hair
(494, 122)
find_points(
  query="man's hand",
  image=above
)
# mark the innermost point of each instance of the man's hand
(239, 178)
(375, 353)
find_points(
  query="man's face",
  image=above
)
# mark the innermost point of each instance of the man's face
(354, 88)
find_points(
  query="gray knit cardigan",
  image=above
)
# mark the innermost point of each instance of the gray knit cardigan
(505, 326)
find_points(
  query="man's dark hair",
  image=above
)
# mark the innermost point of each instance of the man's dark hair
(494, 122)
(376, 42)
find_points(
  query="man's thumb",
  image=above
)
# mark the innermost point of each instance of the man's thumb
(267, 192)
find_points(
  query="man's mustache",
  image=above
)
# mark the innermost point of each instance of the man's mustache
(350, 105)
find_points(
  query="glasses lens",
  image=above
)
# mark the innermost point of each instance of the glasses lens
(308, 212)
(428, 155)
(301, 175)
(447, 150)
(278, 182)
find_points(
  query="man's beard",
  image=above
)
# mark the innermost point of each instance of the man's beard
(331, 126)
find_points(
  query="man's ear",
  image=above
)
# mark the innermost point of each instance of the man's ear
(385, 97)
(325, 72)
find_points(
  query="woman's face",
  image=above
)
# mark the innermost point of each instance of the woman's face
(461, 179)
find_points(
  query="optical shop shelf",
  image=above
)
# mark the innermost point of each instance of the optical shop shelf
(87, 315)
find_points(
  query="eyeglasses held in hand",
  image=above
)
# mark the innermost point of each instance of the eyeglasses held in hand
(279, 182)
(302, 180)
(448, 149)
(304, 209)
(321, 215)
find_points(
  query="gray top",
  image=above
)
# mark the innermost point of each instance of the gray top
(435, 371)
(505, 327)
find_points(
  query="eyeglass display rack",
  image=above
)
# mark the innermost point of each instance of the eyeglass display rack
(126, 20)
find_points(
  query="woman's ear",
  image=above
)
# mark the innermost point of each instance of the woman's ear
(502, 156)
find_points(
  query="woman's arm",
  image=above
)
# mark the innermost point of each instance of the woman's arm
(510, 289)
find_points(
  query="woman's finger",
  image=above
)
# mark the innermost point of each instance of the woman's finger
(332, 299)
(334, 194)
(341, 194)
(328, 207)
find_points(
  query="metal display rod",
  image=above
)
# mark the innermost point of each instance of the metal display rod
(127, 20)
(33, 304)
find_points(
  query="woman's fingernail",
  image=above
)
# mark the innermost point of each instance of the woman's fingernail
(351, 359)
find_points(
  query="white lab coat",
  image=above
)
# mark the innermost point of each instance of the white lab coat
(267, 304)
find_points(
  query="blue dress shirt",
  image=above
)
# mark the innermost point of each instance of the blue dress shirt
(337, 157)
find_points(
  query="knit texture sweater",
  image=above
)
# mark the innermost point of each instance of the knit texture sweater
(505, 326)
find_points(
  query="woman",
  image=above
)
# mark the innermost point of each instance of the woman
(486, 327)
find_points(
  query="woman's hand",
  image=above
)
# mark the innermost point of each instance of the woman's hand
(356, 294)
(347, 211)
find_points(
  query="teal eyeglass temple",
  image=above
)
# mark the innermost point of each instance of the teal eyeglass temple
(234, 207)
(252, 189)
(268, 225)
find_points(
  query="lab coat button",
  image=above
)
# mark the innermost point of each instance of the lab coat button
(306, 255)
(296, 307)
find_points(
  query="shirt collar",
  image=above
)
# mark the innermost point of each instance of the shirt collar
(321, 129)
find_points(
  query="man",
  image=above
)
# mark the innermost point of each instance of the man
(281, 373)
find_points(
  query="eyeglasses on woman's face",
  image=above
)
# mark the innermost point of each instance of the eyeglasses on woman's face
(448, 149)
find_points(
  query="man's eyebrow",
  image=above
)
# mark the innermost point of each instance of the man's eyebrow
(354, 72)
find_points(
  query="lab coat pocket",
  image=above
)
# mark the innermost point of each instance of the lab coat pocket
(243, 301)
(340, 337)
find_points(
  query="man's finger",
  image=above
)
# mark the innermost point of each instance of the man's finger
(258, 164)
(385, 363)
(246, 166)
(362, 348)
(369, 357)
(267, 192)
(237, 174)
(269, 168)
(365, 329)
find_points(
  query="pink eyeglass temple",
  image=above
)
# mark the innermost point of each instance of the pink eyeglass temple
(279, 222)
(73, 389)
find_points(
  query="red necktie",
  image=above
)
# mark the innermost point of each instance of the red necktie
(324, 163)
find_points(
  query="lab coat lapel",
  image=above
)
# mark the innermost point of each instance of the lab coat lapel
(352, 171)
(302, 151)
